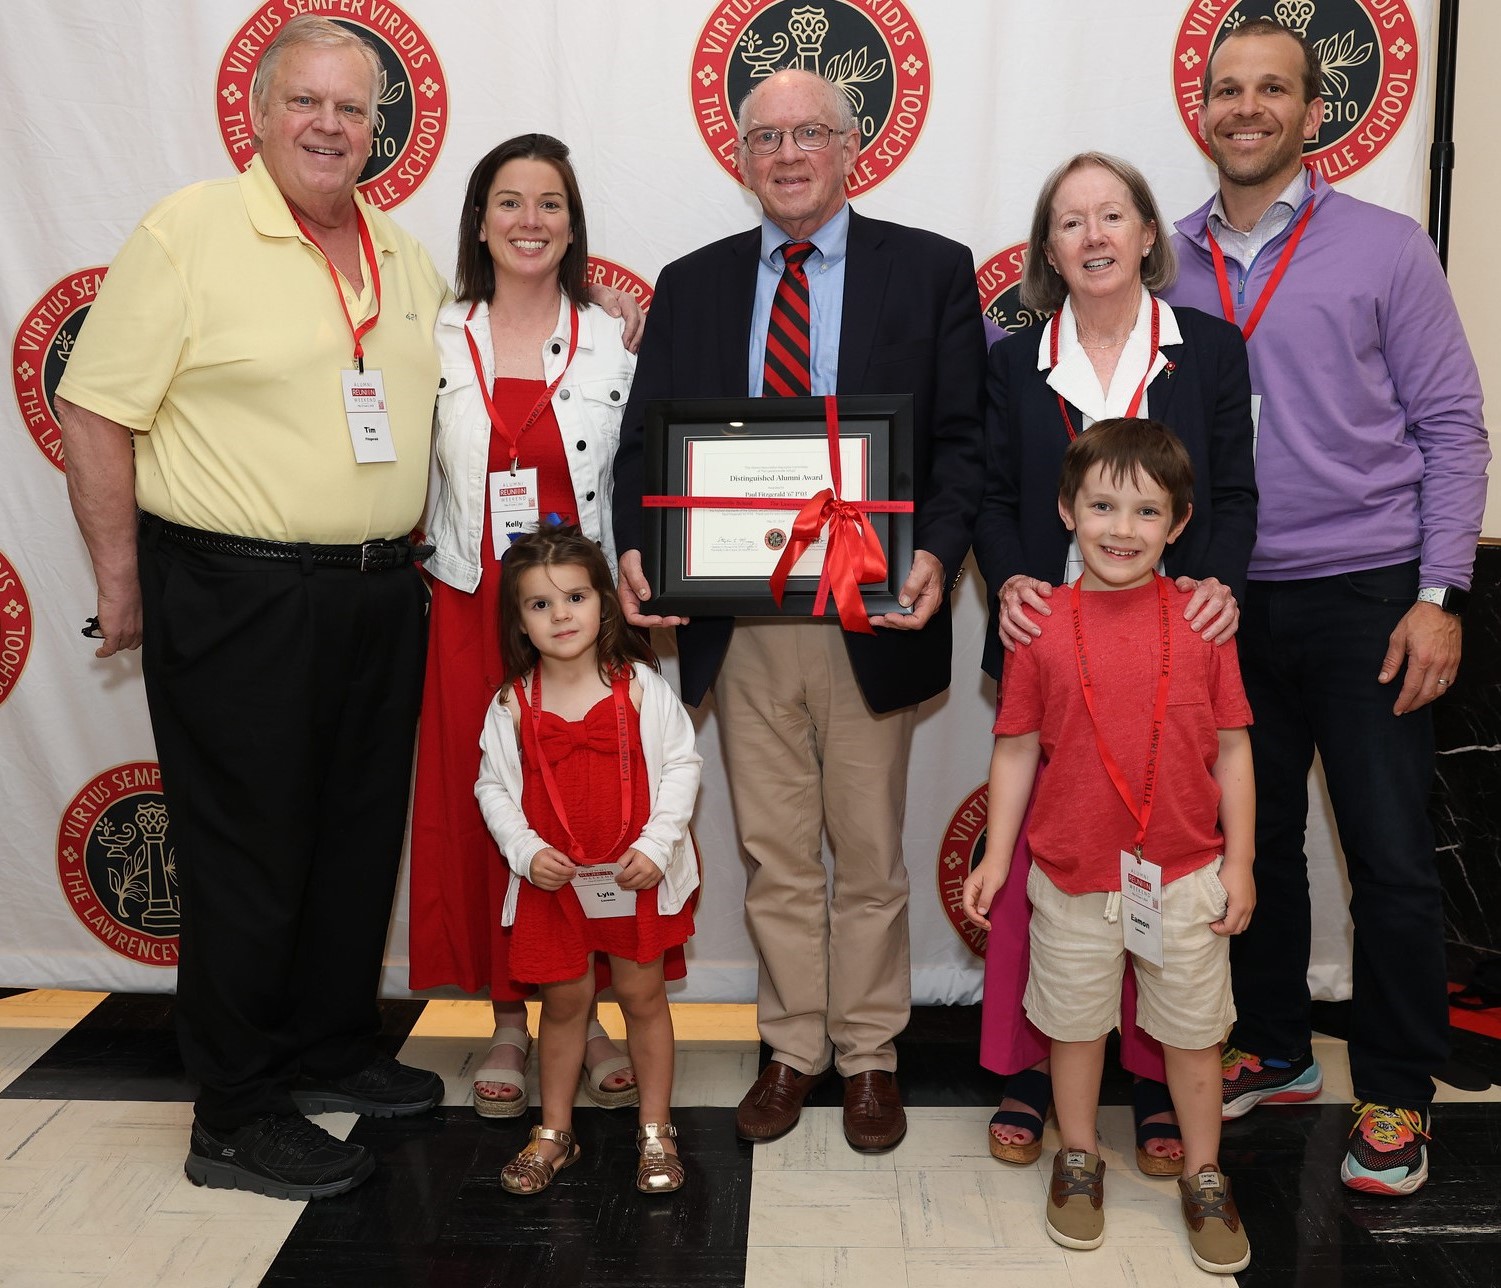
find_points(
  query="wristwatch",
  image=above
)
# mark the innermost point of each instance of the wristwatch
(1450, 598)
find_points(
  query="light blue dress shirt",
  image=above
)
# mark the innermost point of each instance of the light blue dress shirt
(825, 269)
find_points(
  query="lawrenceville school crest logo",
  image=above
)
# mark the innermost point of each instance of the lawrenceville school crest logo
(1000, 281)
(40, 350)
(963, 846)
(1369, 53)
(116, 864)
(15, 627)
(606, 272)
(871, 49)
(410, 119)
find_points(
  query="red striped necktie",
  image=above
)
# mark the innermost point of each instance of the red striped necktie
(788, 345)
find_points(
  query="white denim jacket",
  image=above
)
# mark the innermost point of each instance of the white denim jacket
(672, 772)
(588, 405)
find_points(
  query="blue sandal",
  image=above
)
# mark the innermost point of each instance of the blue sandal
(1149, 1098)
(1035, 1090)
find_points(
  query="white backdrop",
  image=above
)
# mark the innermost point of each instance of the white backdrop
(108, 105)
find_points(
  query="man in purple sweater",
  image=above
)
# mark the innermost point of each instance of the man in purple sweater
(1371, 460)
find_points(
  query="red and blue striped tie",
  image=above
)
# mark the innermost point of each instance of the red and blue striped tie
(788, 345)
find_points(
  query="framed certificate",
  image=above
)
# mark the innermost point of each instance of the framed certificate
(706, 558)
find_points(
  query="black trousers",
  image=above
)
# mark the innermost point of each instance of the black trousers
(1309, 653)
(284, 703)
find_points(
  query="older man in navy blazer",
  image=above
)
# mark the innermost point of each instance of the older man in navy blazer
(818, 721)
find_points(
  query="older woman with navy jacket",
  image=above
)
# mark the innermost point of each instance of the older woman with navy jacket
(534, 381)
(1110, 348)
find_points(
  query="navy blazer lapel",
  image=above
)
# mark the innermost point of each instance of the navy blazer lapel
(1163, 389)
(738, 301)
(867, 271)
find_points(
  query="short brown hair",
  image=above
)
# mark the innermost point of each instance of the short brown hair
(1313, 71)
(1042, 288)
(1126, 446)
(474, 276)
(619, 644)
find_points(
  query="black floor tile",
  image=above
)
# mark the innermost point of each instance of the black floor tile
(126, 1049)
(13, 992)
(434, 1211)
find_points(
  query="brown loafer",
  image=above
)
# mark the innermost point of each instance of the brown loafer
(873, 1114)
(772, 1105)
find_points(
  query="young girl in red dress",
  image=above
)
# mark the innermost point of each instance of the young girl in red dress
(587, 780)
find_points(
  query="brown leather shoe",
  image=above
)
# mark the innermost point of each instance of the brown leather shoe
(772, 1105)
(873, 1114)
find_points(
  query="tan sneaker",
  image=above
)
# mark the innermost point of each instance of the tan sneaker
(1076, 1200)
(1215, 1235)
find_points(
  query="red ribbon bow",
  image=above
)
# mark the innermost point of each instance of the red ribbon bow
(854, 556)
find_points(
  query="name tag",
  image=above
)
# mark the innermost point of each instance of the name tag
(1141, 907)
(599, 893)
(513, 507)
(369, 420)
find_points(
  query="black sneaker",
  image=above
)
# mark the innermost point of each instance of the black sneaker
(280, 1155)
(384, 1088)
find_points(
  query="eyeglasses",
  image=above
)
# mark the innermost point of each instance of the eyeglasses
(812, 137)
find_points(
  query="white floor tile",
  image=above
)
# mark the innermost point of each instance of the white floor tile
(817, 1144)
(824, 1209)
(830, 1268)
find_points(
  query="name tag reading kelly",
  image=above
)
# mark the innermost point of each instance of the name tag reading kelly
(369, 420)
(1141, 907)
(599, 893)
(513, 507)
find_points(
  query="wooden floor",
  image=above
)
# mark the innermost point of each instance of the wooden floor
(94, 1117)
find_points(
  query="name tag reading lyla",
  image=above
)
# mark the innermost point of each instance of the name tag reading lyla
(1141, 907)
(599, 892)
(369, 420)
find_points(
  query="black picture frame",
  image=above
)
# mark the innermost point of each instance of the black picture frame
(673, 425)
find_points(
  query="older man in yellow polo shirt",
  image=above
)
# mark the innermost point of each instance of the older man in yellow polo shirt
(258, 376)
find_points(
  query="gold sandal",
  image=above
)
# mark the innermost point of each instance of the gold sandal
(529, 1172)
(657, 1171)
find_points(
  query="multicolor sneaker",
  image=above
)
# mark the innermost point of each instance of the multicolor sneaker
(1388, 1151)
(1247, 1080)
(1216, 1238)
(1076, 1200)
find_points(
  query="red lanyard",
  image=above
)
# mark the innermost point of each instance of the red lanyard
(368, 247)
(1135, 404)
(513, 440)
(620, 691)
(1159, 711)
(1227, 301)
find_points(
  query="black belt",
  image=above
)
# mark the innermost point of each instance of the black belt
(369, 556)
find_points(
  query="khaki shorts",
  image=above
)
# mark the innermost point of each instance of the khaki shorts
(1074, 989)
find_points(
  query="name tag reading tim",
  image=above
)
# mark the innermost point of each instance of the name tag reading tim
(599, 892)
(369, 420)
(1141, 907)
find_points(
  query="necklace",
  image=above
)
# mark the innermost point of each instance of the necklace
(1109, 344)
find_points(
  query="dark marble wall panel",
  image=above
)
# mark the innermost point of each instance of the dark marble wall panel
(1466, 806)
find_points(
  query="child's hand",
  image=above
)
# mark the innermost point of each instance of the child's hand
(552, 869)
(980, 889)
(637, 872)
(1241, 887)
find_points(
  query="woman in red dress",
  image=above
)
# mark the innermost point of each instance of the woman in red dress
(534, 380)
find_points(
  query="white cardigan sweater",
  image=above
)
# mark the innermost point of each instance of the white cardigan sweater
(672, 771)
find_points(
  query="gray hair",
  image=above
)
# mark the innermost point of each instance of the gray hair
(318, 33)
(839, 101)
(1041, 287)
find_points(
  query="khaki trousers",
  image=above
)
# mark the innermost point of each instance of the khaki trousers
(805, 754)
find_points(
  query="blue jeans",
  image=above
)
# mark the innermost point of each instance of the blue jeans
(1310, 651)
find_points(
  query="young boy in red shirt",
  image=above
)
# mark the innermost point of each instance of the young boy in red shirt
(1142, 834)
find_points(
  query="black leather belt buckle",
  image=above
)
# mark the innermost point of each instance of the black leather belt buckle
(381, 556)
